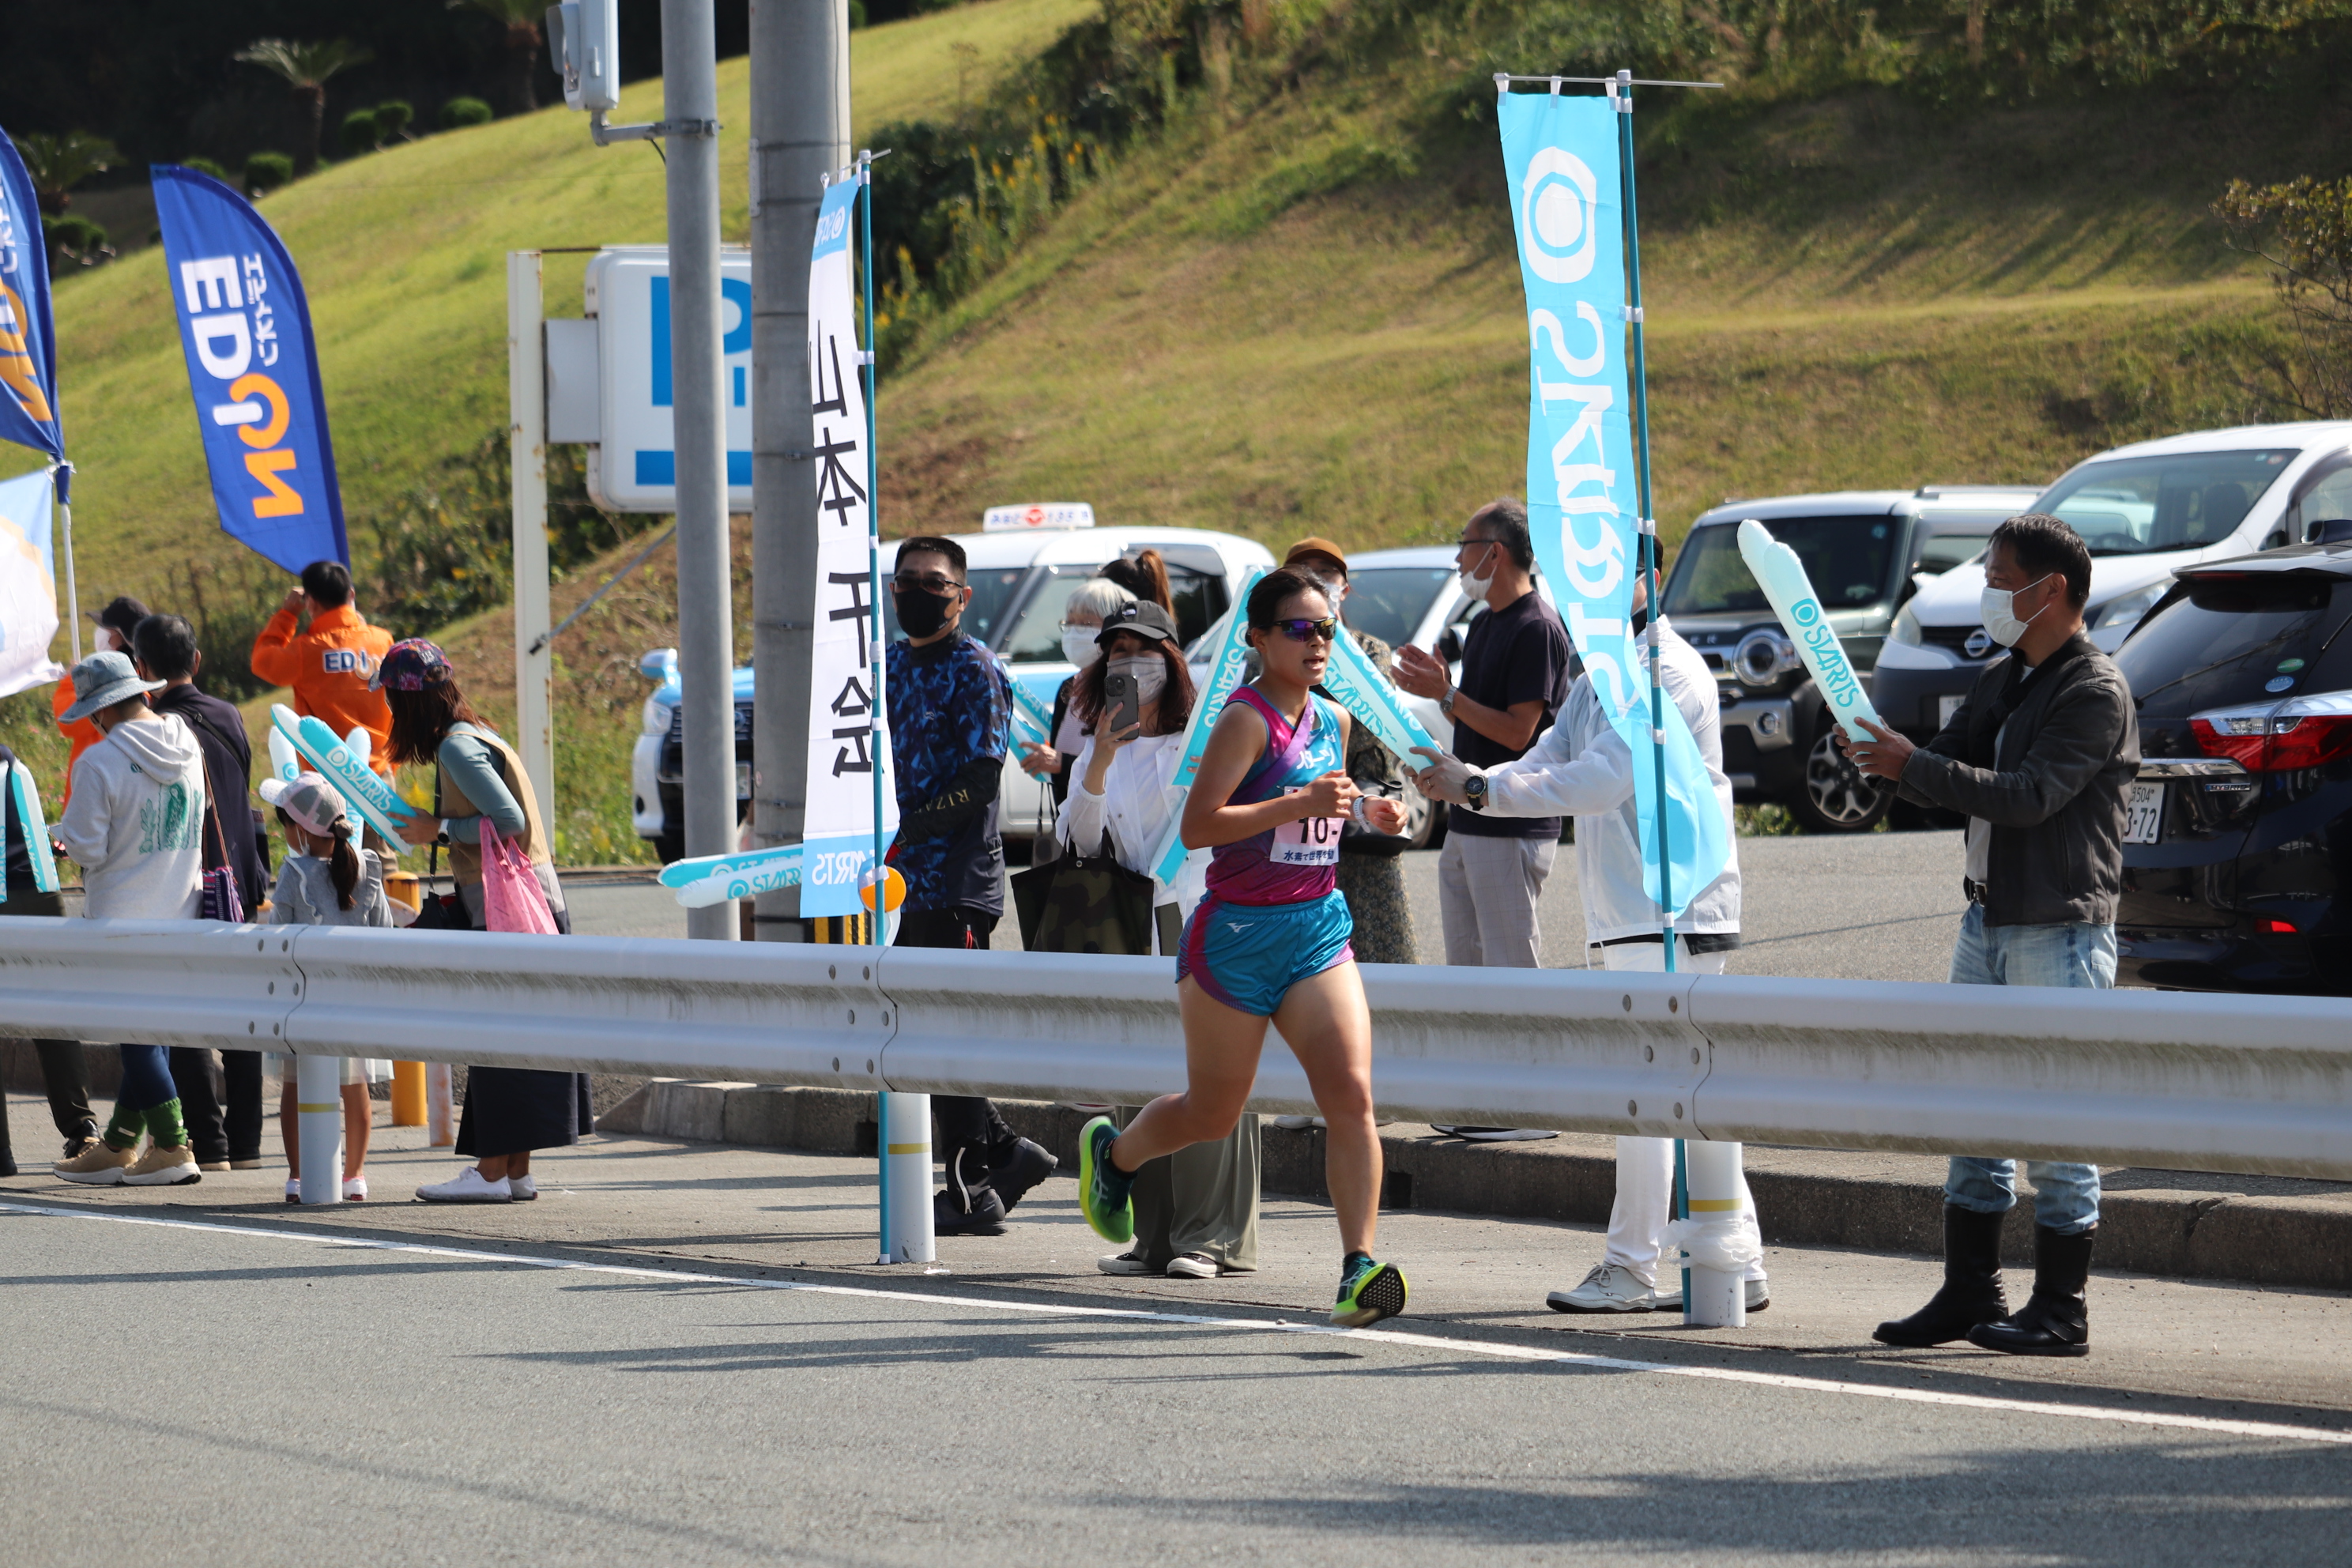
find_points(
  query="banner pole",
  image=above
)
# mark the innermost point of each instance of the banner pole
(63, 476)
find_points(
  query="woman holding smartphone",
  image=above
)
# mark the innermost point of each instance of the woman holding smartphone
(1270, 942)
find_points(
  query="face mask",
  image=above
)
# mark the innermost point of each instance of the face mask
(1476, 587)
(1079, 646)
(921, 613)
(1150, 675)
(2001, 621)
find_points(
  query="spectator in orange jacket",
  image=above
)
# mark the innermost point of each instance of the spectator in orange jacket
(115, 625)
(330, 664)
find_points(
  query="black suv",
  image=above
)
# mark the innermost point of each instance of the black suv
(2241, 815)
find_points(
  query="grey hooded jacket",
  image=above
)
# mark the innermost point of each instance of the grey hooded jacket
(2054, 794)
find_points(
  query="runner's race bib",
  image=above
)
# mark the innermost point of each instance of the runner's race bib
(1309, 841)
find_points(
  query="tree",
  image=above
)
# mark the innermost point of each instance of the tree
(520, 19)
(306, 68)
(2304, 229)
(59, 163)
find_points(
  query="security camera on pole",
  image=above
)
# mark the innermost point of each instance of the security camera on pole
(586, 36)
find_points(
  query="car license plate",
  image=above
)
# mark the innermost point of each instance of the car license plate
(742, 780)
(1945, 707)
(2144, 812)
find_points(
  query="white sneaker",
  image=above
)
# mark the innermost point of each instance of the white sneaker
(467, 1187)
(1298, 1123)
(1193, 1266)
(1123, 1263)
(294, 1187)
(524, 1188)
(355, 1188)
(1610, 1287)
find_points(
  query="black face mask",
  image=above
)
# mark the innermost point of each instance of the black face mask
(1640, 620)
(920, 614)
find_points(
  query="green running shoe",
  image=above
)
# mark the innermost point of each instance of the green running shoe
(1370, 1291)
(1103, 1188)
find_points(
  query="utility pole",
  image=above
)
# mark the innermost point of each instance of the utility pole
(705, 624)
(800, 133)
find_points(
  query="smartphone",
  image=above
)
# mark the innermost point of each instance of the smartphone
(1123, 709)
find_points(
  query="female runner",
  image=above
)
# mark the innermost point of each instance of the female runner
(1271, 941)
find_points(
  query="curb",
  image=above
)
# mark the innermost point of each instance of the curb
(2182, 1225)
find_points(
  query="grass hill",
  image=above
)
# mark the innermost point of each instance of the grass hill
(1294, 308)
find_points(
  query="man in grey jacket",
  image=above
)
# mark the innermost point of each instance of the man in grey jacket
(2039, 759)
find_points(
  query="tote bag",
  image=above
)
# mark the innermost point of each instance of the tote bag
(1083, 903)
(512, 896)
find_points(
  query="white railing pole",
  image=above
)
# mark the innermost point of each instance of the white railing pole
(906, 1137)
(440, 1108)
(1713, 1297)
(318, 1126)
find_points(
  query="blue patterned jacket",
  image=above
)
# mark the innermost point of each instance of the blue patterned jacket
(950, 709)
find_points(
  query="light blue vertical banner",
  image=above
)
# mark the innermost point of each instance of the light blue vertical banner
(1560, 154)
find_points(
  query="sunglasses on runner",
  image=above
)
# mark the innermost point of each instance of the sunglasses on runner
(1304, 630)
(926, 582)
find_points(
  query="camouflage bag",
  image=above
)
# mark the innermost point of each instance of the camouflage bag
(1083, 903)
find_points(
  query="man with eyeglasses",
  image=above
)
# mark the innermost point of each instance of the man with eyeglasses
(950, 708)
(1515, 680)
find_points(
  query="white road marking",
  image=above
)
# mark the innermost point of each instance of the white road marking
(1198, 1319)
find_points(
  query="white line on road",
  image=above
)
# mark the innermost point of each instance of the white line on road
(1197, 1320)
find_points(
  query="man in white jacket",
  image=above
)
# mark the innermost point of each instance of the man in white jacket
(1582, 768)
(135, 826)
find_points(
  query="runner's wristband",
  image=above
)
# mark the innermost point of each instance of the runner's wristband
(1355, 812)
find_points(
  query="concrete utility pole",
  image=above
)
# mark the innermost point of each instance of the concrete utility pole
(800, 133)
(706, 623)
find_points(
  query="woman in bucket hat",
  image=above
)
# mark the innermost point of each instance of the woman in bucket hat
(135, 826)
(478, 777)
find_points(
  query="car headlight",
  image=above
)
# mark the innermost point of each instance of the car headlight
(1763, 656)
(656, 717)
(1906, 628)
(2128, 610)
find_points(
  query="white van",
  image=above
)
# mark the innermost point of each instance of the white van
(2144, 510)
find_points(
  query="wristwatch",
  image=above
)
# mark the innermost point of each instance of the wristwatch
(1474, 790)
(1446, 703)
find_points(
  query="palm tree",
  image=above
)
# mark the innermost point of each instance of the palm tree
(59, 163)
(520, 18)
(306, 68)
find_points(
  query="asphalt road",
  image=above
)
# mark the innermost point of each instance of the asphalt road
(1871, 906)
(680, 1354)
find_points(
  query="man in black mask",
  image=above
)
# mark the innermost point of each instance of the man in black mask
(2039, 759)
(950, 708)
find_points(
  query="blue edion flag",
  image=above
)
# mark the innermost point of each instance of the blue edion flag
(1560, 157)
(28, 348)
(254, 369)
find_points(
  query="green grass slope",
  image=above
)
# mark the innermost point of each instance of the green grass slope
(404, 255)
(1308, 317)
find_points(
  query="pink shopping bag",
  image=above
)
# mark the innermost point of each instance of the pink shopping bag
(512, 899)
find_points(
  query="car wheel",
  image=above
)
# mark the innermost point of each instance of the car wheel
(1835, 797)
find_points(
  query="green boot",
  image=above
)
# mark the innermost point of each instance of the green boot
(164, 1126)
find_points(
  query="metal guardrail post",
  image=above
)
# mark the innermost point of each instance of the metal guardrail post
(318, 1126)
(906, 1140)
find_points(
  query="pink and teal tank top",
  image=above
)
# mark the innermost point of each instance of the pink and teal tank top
(1298, 861)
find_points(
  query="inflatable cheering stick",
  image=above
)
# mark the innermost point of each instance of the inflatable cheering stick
(344, 763)
(1791, 593)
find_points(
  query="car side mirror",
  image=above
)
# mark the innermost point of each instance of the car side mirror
(1449, 645)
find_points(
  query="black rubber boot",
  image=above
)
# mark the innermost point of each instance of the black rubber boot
(1013, 1170)
(1971, 1292)
(2056, 1319)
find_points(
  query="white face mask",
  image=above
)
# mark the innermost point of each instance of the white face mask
(1998, 607)
(1078, 645)
(1476, 587)
(1149, 672)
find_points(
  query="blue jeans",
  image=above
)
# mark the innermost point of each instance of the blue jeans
(146, 1078)
(2078, 956)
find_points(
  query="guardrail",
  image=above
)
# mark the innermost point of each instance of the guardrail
(2168, 1078)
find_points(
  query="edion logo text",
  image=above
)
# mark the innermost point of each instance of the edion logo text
(230, 321)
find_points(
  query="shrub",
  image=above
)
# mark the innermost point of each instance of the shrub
(392, 120)
(856, 13)
(359, 134)
(75, 239)
(460, 112)
(266, 172)
(205, 167)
